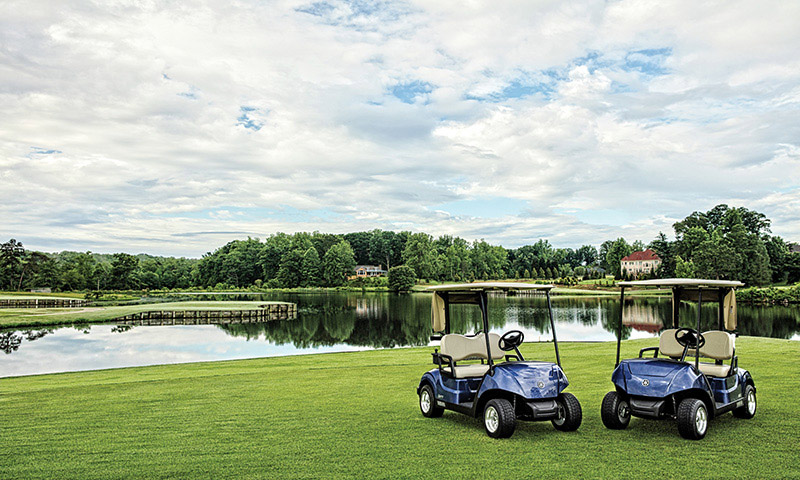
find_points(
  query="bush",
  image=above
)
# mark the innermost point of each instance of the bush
(769, 295)
(401, 278)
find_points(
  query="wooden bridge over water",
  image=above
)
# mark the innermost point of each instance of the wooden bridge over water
(265, 313)
(42, 302)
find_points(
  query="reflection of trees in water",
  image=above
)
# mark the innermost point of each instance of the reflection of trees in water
(371, 320)
(392, 320)
(11, 340)
(385, 320)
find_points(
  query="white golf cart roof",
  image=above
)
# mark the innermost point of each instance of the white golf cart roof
(480, 286)
(682, 282)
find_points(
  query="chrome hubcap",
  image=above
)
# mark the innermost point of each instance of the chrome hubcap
(751, 402)
(562, 415)
(491, 419)
(622, 410)
(701, 420)
(425, 401)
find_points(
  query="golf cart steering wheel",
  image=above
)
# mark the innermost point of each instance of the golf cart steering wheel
(511, 340)
(689, 337)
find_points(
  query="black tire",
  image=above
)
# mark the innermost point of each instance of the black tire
(615, 411)
(692, 418)
(499, 420)
(570, 413)
(427, 403)
(748, 408)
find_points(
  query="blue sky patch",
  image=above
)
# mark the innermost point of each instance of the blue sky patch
(36, 151)
(248, 118)
(648, 61)
(408, 92)
(360, 15)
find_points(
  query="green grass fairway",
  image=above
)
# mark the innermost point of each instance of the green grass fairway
(355, 415)
(15, 317)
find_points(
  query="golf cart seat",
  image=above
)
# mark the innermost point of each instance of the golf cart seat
(462, 347)
(719, 346)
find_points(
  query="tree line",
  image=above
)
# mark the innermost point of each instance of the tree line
(724, 243)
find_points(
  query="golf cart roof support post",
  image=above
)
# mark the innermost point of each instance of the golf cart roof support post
(446, 297)
(483, 298)
(721, 308)
(697, 341)
(619, 326)
(553, 326)
(676, 306)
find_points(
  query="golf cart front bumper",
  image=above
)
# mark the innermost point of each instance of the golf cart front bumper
(648, 407)
(546, 409)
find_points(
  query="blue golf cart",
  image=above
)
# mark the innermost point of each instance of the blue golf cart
(670, 385)
(503, 387)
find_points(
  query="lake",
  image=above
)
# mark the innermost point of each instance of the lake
(337, 322)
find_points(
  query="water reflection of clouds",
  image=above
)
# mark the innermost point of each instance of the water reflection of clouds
(69, 349)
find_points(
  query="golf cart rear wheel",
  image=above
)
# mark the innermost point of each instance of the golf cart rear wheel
(569, 413)
(427, 403)
(748, 408)
(616, 412)
(499, 419)
(692, 419)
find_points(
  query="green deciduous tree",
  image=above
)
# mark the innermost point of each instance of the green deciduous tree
(401, 278)
(290, 272)
(337, 264)
(312, 268)
(616, 251)
(420, 255)
(122, 268)
(683, 268)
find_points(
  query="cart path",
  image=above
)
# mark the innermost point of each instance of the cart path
(71, 311)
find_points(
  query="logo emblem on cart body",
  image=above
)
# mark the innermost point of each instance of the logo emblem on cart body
(645, 382)
(540, 384)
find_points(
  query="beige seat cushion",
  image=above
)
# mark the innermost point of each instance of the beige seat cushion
(719, 345)
(668, 346)
(465, 371)
(714, 370)
(461, 347)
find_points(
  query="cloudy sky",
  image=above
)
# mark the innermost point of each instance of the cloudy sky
(174, 127)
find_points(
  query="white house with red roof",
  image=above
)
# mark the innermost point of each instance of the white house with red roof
(639, 264)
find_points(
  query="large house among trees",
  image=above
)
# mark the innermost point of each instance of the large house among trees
(363, 271)
(640, 264)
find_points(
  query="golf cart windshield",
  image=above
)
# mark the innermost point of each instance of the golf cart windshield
(469, 293)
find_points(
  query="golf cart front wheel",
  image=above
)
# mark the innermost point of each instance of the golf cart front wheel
(499, 419)
(615, 411)
(569, 413)
(748, 408)
(427, 403)
(692, 419)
